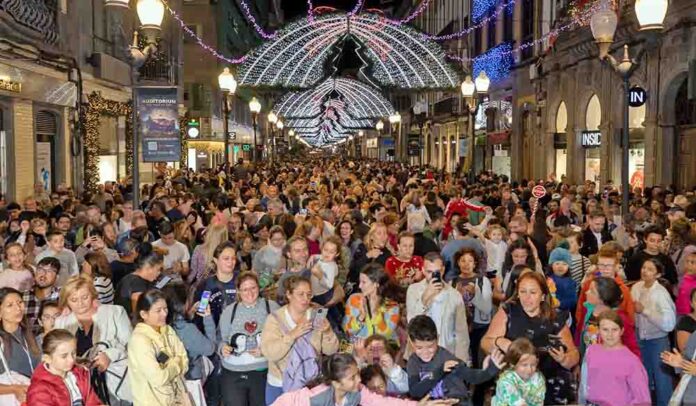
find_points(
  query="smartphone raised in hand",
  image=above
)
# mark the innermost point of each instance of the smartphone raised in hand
(437, 277)
(205, 299)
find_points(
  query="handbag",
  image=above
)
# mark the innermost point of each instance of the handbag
(115, 377)
(10, 377)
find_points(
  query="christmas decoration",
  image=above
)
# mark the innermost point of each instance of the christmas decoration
(363, 101)
(485, 7)
(496, 62)
(199, 40)
(252, 20)
(96, 107)
(397, 54)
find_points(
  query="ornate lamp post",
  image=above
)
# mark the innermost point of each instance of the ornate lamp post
(651, 15)
(395, 121)
(150, 13)
(255, 108)
(379, 127)
(228, 86)
(471, 91)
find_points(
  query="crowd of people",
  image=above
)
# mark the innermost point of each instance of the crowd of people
(337, 282)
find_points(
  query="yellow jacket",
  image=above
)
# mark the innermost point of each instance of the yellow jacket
(153, 383)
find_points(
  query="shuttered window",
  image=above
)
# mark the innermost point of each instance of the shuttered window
(46, 124)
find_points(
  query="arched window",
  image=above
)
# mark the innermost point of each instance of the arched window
(593, 116)
(684, 109)
(561, 118)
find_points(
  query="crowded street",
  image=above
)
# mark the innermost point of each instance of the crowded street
(347, 202)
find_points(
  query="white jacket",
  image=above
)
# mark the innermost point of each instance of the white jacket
(111, 327)
(495, 254)
(659, 313)
(452, 327)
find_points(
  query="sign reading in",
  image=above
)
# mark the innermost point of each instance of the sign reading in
(591, 139)
(637, 96)
(158, 113)
(539, 191)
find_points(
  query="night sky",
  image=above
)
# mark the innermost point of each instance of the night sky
(297, 8)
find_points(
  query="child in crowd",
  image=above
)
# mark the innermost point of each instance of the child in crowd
(59, 381)
(374, 378)
(611, 374)
(496, 247)
(324, 273)
(375, 350)
(566, 288)
(56, 248)
(434, 371)
(520, 383)
(18, 274)
(687, 284)
(405, 267)
(48, 314)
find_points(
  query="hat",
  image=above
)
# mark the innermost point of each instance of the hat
(560, 255)
(556, 196)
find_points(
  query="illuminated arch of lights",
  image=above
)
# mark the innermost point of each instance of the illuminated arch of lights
(362, 101)
(395, 55)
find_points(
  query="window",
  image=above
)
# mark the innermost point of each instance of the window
(197, 29)
(507, 23)
(491, 33)
(46, 132)
(527, 27)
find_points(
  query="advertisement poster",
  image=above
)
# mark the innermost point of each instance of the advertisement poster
(43, 164)
(159, 124)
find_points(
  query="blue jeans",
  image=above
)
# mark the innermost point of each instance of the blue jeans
(272, 393)
(659, 374)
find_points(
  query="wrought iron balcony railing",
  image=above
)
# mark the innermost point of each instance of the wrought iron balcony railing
(37, 15)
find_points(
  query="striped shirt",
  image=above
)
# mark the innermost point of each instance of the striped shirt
(578, 266)
(105, 289)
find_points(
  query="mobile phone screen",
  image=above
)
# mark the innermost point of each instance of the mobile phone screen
(205, 299)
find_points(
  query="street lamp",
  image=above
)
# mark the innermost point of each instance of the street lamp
(255, 108)
(650, 15)
(470, 93)
(395, 120)
(420, 110)
(228, 86)
(150, 13)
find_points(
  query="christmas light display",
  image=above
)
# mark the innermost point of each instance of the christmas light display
(363, 101)
(506, 6)
(356, 9)
(252, 20)
(496, 62)
(96, 107)
(199, 40)
(580, 20)
(397, 54)
(417, 12)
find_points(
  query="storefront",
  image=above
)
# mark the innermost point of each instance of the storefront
(372, 146)
(591, 140)
(636, 146)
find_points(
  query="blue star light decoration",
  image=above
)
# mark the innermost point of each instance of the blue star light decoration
(496, 62)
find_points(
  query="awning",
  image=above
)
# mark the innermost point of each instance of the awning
(499, 137)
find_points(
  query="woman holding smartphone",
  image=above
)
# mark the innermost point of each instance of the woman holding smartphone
(290, 330)
(244, 368)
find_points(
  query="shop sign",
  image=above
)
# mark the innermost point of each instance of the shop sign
(10, 86)
(246, 147)
(591, 139)
(637, 96)
(371, 143)
(501, 137)
(158, 113)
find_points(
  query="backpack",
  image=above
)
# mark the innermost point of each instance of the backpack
(303, 361)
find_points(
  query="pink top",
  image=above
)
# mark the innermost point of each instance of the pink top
(615, 377)
(687, 284)
(303, 397)
(21, 280)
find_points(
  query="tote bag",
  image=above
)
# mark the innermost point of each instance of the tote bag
(9, 377)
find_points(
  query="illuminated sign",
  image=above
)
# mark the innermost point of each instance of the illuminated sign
(10, 86)
(591, 139)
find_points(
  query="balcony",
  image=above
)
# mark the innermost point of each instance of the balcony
(34, 21)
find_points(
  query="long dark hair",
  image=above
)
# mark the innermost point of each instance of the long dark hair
(177, 301)
(333, 369)
(520, 243)
(5, 336)
(387, 289)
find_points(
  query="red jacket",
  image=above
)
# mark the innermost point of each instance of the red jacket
(47, 389)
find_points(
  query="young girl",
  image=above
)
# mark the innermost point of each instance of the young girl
(18, 274)
(655, 320)
(48, 314)
(97, 266)
(324, 272)
(496, 247)
(58, 381)
(611, 374)
(566, 288)
(520, 383)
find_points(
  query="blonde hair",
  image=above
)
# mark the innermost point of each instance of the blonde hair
(73, 285)
(369, 238)
(214, 236)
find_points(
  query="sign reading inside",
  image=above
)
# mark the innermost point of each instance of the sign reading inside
(591, 139)
(637, 96)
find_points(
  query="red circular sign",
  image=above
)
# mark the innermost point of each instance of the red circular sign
(539, 191)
